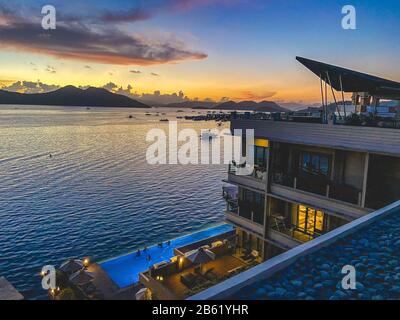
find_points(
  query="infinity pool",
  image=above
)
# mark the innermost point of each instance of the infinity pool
(124, 270)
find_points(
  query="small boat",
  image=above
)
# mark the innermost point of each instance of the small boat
(208, 135)
(148, 114)
(130, 116)
(164, 120)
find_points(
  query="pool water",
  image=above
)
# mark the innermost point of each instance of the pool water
(124, 270)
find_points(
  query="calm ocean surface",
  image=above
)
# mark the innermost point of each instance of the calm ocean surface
(96, 196)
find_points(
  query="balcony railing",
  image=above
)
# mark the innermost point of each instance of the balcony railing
(258, 173)
(282, 225)
(251, 211)
(320, 186)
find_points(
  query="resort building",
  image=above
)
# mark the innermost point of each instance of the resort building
(314, 172)
(311, 177)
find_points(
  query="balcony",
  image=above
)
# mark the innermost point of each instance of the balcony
(320, 186)
(257, 179)
(229, 193)
(282, 225)
(258, 173)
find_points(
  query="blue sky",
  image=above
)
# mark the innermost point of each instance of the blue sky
(212, 48)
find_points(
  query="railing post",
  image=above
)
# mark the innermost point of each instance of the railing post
(327, 190)
(295, 183)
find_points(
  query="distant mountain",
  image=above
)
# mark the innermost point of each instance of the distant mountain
(295, 106)
(190, 105)
(268, 106)
(72, 96)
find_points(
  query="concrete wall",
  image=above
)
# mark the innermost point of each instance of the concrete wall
(354, 169)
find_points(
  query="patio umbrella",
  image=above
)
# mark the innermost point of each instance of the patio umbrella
(71, 266)
(201, 256)
(81, 277)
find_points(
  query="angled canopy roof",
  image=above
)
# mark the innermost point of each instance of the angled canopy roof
(353, 81)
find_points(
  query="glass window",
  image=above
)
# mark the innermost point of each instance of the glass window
(324, 165)
(260, 155)
(314, 163)
(309, 220)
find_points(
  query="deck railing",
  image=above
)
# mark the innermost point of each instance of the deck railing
(282, 225)
(320, 186)
(258, 173)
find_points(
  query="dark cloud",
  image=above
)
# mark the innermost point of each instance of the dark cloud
(126, 16)
(51, 69)
(154, 74)
(30, 87)
(135, 71)
(88, 67)
(92, 43)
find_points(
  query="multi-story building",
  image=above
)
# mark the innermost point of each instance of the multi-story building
(311, 177)
(313, 172)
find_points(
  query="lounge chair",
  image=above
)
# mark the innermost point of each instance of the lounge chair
(189, 279)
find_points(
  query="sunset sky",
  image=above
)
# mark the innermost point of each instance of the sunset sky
(237, 49)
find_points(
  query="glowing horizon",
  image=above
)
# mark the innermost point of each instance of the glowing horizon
(236, 50)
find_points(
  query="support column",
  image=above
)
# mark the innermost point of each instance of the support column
(364, 189)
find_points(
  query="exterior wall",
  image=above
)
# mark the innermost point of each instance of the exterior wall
(341, 195)
(354, 169)
(354, 138)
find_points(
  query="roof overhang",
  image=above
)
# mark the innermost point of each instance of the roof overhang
(353, 81)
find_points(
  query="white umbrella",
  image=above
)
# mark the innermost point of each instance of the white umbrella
(71, 265)
(81, 277)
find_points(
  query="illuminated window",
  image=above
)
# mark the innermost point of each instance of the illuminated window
(309, 220)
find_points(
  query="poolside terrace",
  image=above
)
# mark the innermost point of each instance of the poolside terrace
(180, 278)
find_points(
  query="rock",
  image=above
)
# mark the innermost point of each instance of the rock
(326, 267)
(318, 286)
(395, 289)
(397, 243)
(325, 275)
(297, 283)
(360, 286)
(268, 287)
(328, 283)
(372, 291)
(364, 296)
(393, 263)
(260, 292)
(340, 294)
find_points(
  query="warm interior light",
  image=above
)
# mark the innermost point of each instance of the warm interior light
(86, 262)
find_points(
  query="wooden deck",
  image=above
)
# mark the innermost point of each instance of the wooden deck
(103, 282)
(220, 267)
